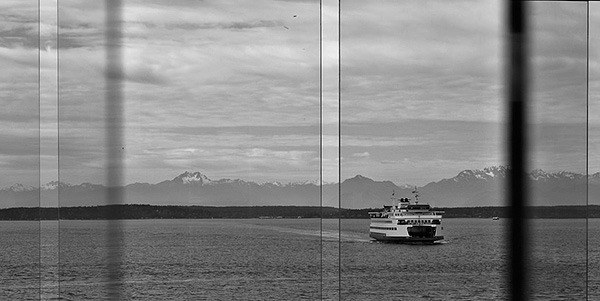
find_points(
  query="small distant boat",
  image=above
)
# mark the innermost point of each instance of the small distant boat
(407, 222)
(495, 218)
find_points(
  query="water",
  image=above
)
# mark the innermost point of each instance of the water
(470, 264)
(280, 259)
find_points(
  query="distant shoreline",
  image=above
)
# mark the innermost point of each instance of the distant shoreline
(127, 212)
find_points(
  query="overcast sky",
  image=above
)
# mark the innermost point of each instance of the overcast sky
(422, 92)
(231, 89)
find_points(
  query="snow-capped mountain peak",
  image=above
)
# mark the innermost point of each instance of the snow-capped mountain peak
(484, 187)
(500, 172)
(192, 177)
(19, 188)
(274, 183)
(50, 185)
(495, 171)
(488, 173)
(465, 173)
(538, 174)
(569, 175)
(54, 184)
(316, 182)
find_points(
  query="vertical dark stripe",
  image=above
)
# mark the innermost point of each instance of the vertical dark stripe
(340, 149)
(587, 141)
(321, 137)
(39, 112)
(517, 74)
(114, 144)
(58, 188)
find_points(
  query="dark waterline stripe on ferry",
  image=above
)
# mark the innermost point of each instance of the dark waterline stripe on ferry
(383, 228)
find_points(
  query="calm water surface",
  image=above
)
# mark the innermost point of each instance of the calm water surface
(281, 260)
(470, 263)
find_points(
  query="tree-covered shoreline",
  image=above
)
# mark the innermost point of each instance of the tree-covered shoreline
(207, 212)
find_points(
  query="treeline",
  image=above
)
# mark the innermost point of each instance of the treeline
(205, 212)
(165, 212)
(592, 211)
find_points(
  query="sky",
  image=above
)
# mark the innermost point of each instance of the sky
(232, 89)
(423, 94)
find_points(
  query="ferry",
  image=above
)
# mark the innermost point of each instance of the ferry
(407, 222)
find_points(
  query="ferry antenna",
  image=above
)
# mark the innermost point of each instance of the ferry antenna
(416, 193)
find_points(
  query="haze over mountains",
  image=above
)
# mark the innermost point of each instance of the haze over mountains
(469, 188)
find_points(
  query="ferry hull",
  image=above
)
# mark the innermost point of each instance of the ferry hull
(404, 239)
(407, 222)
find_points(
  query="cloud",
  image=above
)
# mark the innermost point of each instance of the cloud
(437, 60)
(361, 155)
(262, 163)
(145, 74)
(226, 25)
(223, 87)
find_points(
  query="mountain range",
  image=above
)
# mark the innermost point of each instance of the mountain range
(469, 188)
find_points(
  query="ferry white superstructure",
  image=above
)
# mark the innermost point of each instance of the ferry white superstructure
(407, 222)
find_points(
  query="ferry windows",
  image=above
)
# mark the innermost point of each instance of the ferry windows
(557, 109)
(420, 101)
(359, 155)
